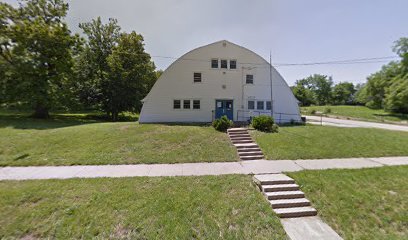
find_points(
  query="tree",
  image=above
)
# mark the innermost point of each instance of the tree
(113, 73)
(343, 93)
(38, 48)
(131, 73)
(396, 97)
(315, 89)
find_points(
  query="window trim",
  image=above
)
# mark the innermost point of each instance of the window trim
(199, 104)
(189, 103)
(246, 78)
(174, 100)
(226, 66)
(235, 64)
(218, 63)
(194, 77)
(263, 105)
(253, 107)
(266, 105)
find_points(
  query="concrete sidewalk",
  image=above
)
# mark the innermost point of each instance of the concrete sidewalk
(193, 169)
(353, 123)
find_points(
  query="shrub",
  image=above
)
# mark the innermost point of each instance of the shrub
(264, 123)
(222, 124)
(327, 110)
(313, 112)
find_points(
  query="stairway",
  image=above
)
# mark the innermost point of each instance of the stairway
(247, 149)
(284, 196)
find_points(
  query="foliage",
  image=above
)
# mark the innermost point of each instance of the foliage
(264, 123)
(222, 124)
(114, 71)
(327, 110)
(396, 95)
(315, 89)
(37, 47)
(343, 93)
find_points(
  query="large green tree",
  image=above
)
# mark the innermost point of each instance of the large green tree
(114, 73)
(343, 93)
(38, 47)
(315, 89)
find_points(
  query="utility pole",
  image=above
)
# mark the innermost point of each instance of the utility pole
(270, 77)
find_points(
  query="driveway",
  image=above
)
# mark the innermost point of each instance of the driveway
(353, 123)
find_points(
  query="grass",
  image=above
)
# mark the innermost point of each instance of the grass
(310, 142)
(360, 204)
(82, 139)
(210, 207)
(359, 112)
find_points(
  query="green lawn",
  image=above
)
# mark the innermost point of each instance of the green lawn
(80, 139)
(207, 207)
(310, 141)
(360, 204)
(359, 112)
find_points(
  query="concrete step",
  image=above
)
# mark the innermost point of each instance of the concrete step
(237, 133)
(289, 203)
(241, 138)
(295, 212)
(280, 187)
(255, 157)
(242, 141)
(233, 130)
(250, 153)
(284, 195)
(271, 179)
(243, 150)
(246, 145)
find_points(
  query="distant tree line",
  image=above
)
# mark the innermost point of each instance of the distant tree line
(46, 67)
(387, 88)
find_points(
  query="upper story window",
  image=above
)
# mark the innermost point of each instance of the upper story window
(197, 77)
(268, 105)
(176, 104)
(186, 104)
(249, 79)
(224, 63)
(260, 105)
(214, 63)
(251, 105)
(233, 64)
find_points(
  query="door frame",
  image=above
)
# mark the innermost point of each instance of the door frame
(223, 100)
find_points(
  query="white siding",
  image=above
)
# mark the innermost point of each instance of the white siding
(177, 83)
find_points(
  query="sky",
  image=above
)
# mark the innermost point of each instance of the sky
(293, 31)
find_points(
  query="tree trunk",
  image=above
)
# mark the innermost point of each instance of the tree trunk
(41, 112)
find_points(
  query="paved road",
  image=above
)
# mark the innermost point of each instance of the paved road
(353, 123)
(193, 169)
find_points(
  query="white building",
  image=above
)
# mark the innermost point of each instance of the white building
(218, 79)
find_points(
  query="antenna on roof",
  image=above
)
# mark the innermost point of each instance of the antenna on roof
(270, 77)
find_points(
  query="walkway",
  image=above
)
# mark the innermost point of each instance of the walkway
(353, 123)
(192, 169)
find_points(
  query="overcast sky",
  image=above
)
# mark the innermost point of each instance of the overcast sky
(296, 31)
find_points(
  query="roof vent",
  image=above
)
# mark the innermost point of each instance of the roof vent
(224, 44)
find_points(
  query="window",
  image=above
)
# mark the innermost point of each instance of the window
(176, 104)
(196, 104)
(268, 105)
(224, 63)
(233, 64)
(214, 63)
(249, 79)
(251, 105)
(186, 104)
(260, 105)
(197, 77)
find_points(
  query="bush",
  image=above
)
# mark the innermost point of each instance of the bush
(222, 124)
(264, 123)
(313, 112)
(327, 110)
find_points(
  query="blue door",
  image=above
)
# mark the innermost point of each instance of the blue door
(224, 107)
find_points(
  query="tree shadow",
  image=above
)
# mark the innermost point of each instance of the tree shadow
(24, 121)
(400, 116)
